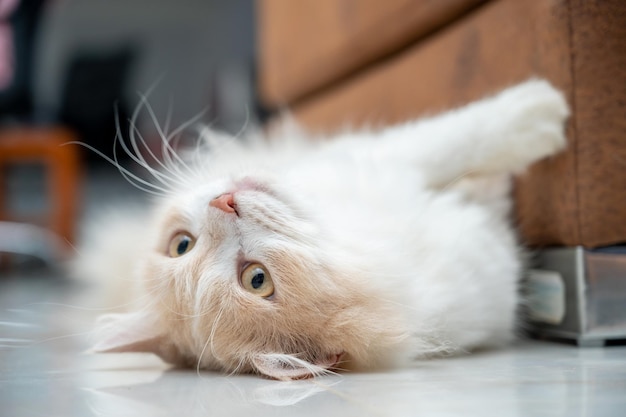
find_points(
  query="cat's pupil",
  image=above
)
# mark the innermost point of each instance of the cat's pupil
(257, 280)
(182, 246)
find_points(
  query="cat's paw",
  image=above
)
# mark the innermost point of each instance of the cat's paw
(533, 115)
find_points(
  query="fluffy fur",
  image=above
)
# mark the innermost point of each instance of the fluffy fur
(383, 246)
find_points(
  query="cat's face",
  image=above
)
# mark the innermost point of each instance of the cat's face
(241, 279)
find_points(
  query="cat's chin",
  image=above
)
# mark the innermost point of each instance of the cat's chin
(332, 361)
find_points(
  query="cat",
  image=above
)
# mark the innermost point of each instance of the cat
(292, 257)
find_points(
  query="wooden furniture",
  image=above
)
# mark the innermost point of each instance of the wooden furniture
(338, 63)
(62, 172)
(348, 62)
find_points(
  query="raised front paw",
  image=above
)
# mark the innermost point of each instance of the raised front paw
(533, 114)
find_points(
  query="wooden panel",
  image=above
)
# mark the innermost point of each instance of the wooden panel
(307, 44)
(507, 41)
(599, 67)
(502, 43)
(576, 198)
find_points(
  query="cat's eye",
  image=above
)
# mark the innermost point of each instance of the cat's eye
(180, 244)
(256, 280)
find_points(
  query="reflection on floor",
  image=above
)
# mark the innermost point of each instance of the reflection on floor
(45, 372)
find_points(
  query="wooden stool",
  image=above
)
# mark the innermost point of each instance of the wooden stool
(62, 165)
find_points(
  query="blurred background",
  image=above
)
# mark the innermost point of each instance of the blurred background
(69, 68)
(68, 61)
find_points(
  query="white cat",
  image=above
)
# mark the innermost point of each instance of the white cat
(291, 257)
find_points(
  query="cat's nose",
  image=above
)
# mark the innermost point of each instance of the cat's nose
(224, 202)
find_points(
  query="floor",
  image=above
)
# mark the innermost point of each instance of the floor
(44, 371)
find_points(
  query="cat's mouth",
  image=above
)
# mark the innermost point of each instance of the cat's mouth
(332, 361)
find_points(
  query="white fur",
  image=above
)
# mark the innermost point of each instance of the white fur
(400, 238)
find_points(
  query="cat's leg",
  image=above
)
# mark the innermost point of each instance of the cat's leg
(490, 191)
(500, 134)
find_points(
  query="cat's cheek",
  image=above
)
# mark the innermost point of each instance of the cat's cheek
(135, 332)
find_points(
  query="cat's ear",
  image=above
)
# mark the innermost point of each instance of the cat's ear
(285, 367)
(133, 332)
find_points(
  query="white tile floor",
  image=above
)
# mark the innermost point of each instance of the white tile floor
(44, 373)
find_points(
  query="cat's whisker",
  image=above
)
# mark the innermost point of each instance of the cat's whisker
(399, 304)
(206, 142)
(171, 156)
(72, 246)
(212, 334)
(215, 142)
(73, 307)
(120, 138)
(185, 316)
(163, 178)
(171, 160)
(198, 152)
(237, 368)
(246, 121)
(194, 168)
(168, 116)
(183, 126)
(209, 341)
(167, 164)
(147, 295)
(125, 172)
(52, 339)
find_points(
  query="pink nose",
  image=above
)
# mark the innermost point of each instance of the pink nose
(225, 202)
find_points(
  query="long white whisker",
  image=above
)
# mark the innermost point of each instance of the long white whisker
(245, 123)
(136, 154)
(187, 316)
(121, 140)
(214, 329)
(82, 308)
(125, 173)
(134, 131)
(168, 117)
(209, 340)
(66, 336)
(174, 136)
(160, 176)
(197, 153)
(167, 150)
(238, 367)
(188, 123)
